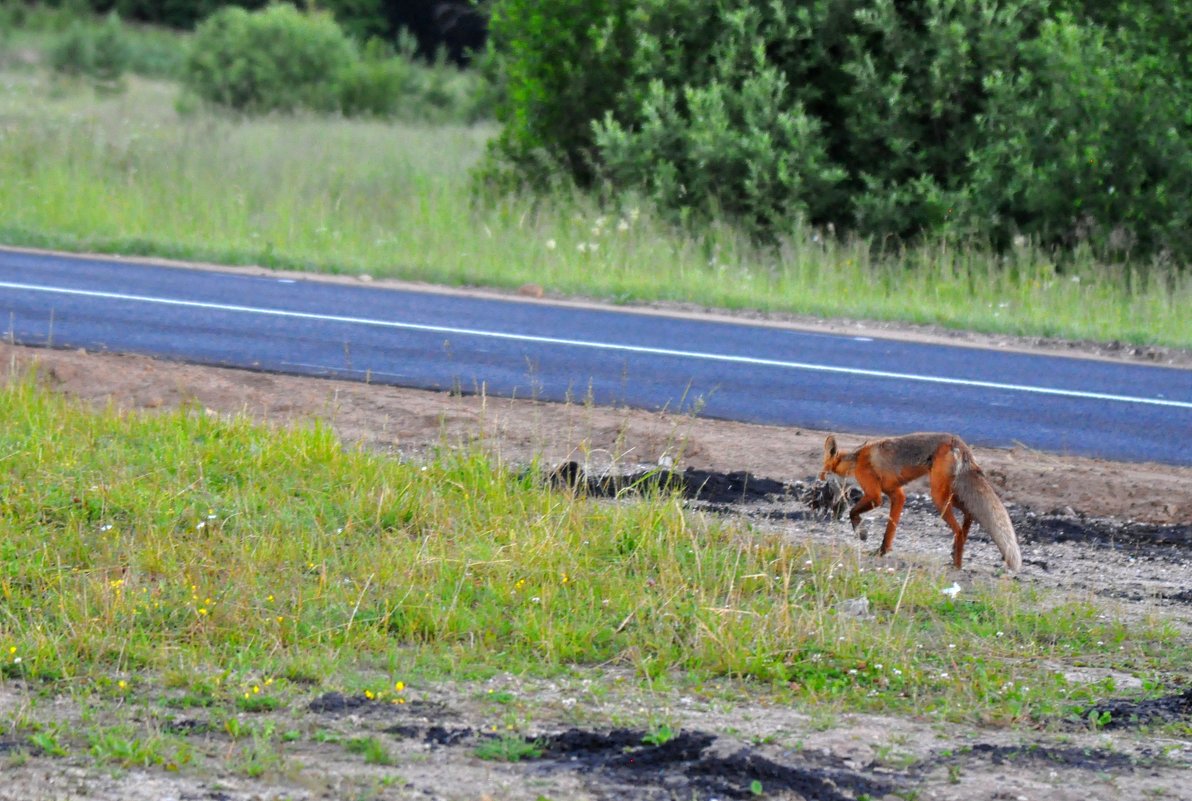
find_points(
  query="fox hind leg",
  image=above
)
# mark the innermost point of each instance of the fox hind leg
(959, 540)
(944, 469)
(946, 505)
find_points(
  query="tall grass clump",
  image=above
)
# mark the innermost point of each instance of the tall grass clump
(184, 541)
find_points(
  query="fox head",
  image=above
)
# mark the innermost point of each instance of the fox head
(832, 458)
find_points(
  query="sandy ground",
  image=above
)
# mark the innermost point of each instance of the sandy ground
(1114, 532)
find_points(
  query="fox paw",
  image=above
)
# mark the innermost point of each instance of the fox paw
(862, 531)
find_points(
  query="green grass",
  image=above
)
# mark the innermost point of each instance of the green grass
(372, 749)
(236, 564)
(123, 746)
(508, 748)
(126, 174)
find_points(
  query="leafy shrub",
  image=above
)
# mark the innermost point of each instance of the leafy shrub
(911, 91)
(101, 52)
(279, 59)
(376, 84)
(276, 59)
(976, 119)
(739, 143)
(111, 53)
(156, 53)
(386, 84)
(1085, 144)
(72, 52)
(442, 93)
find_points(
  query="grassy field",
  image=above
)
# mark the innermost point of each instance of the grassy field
(124, 173)
(233, 563)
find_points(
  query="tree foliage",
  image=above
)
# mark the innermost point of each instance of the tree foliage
(1062, 122)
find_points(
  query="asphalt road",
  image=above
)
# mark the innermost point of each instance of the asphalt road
(538, 350)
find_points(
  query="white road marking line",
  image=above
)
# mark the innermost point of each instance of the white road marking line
(579, 343)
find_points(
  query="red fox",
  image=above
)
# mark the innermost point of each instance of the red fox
(885, 465)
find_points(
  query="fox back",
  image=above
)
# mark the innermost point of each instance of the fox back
(907, 457)
(903, 458)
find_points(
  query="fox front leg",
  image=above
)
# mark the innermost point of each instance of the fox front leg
(862, 506)
(897, 500)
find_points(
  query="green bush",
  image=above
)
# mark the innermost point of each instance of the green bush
(111, 53)
(156, 52)
(442, 93)
(101, 53)
(397, 87)
(1085, 144)
(279, 59)
(276, 59)
(375, 85)
(73, 39)
(911, 89)
(736, 141)
(71, 53)
(975, 119)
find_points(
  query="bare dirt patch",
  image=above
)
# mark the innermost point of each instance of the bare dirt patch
(1116, 533)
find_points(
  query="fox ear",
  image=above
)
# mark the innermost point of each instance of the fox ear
(829, 447)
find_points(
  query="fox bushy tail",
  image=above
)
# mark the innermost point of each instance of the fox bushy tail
(977, 497)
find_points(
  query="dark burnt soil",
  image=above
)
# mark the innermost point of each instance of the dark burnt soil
(1172, 542)
(1095, 760)
(625, 763)
(724, 489)
(633, 764)
(1126, 713)
(687, 766)
(338, 703)
(730, 492)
